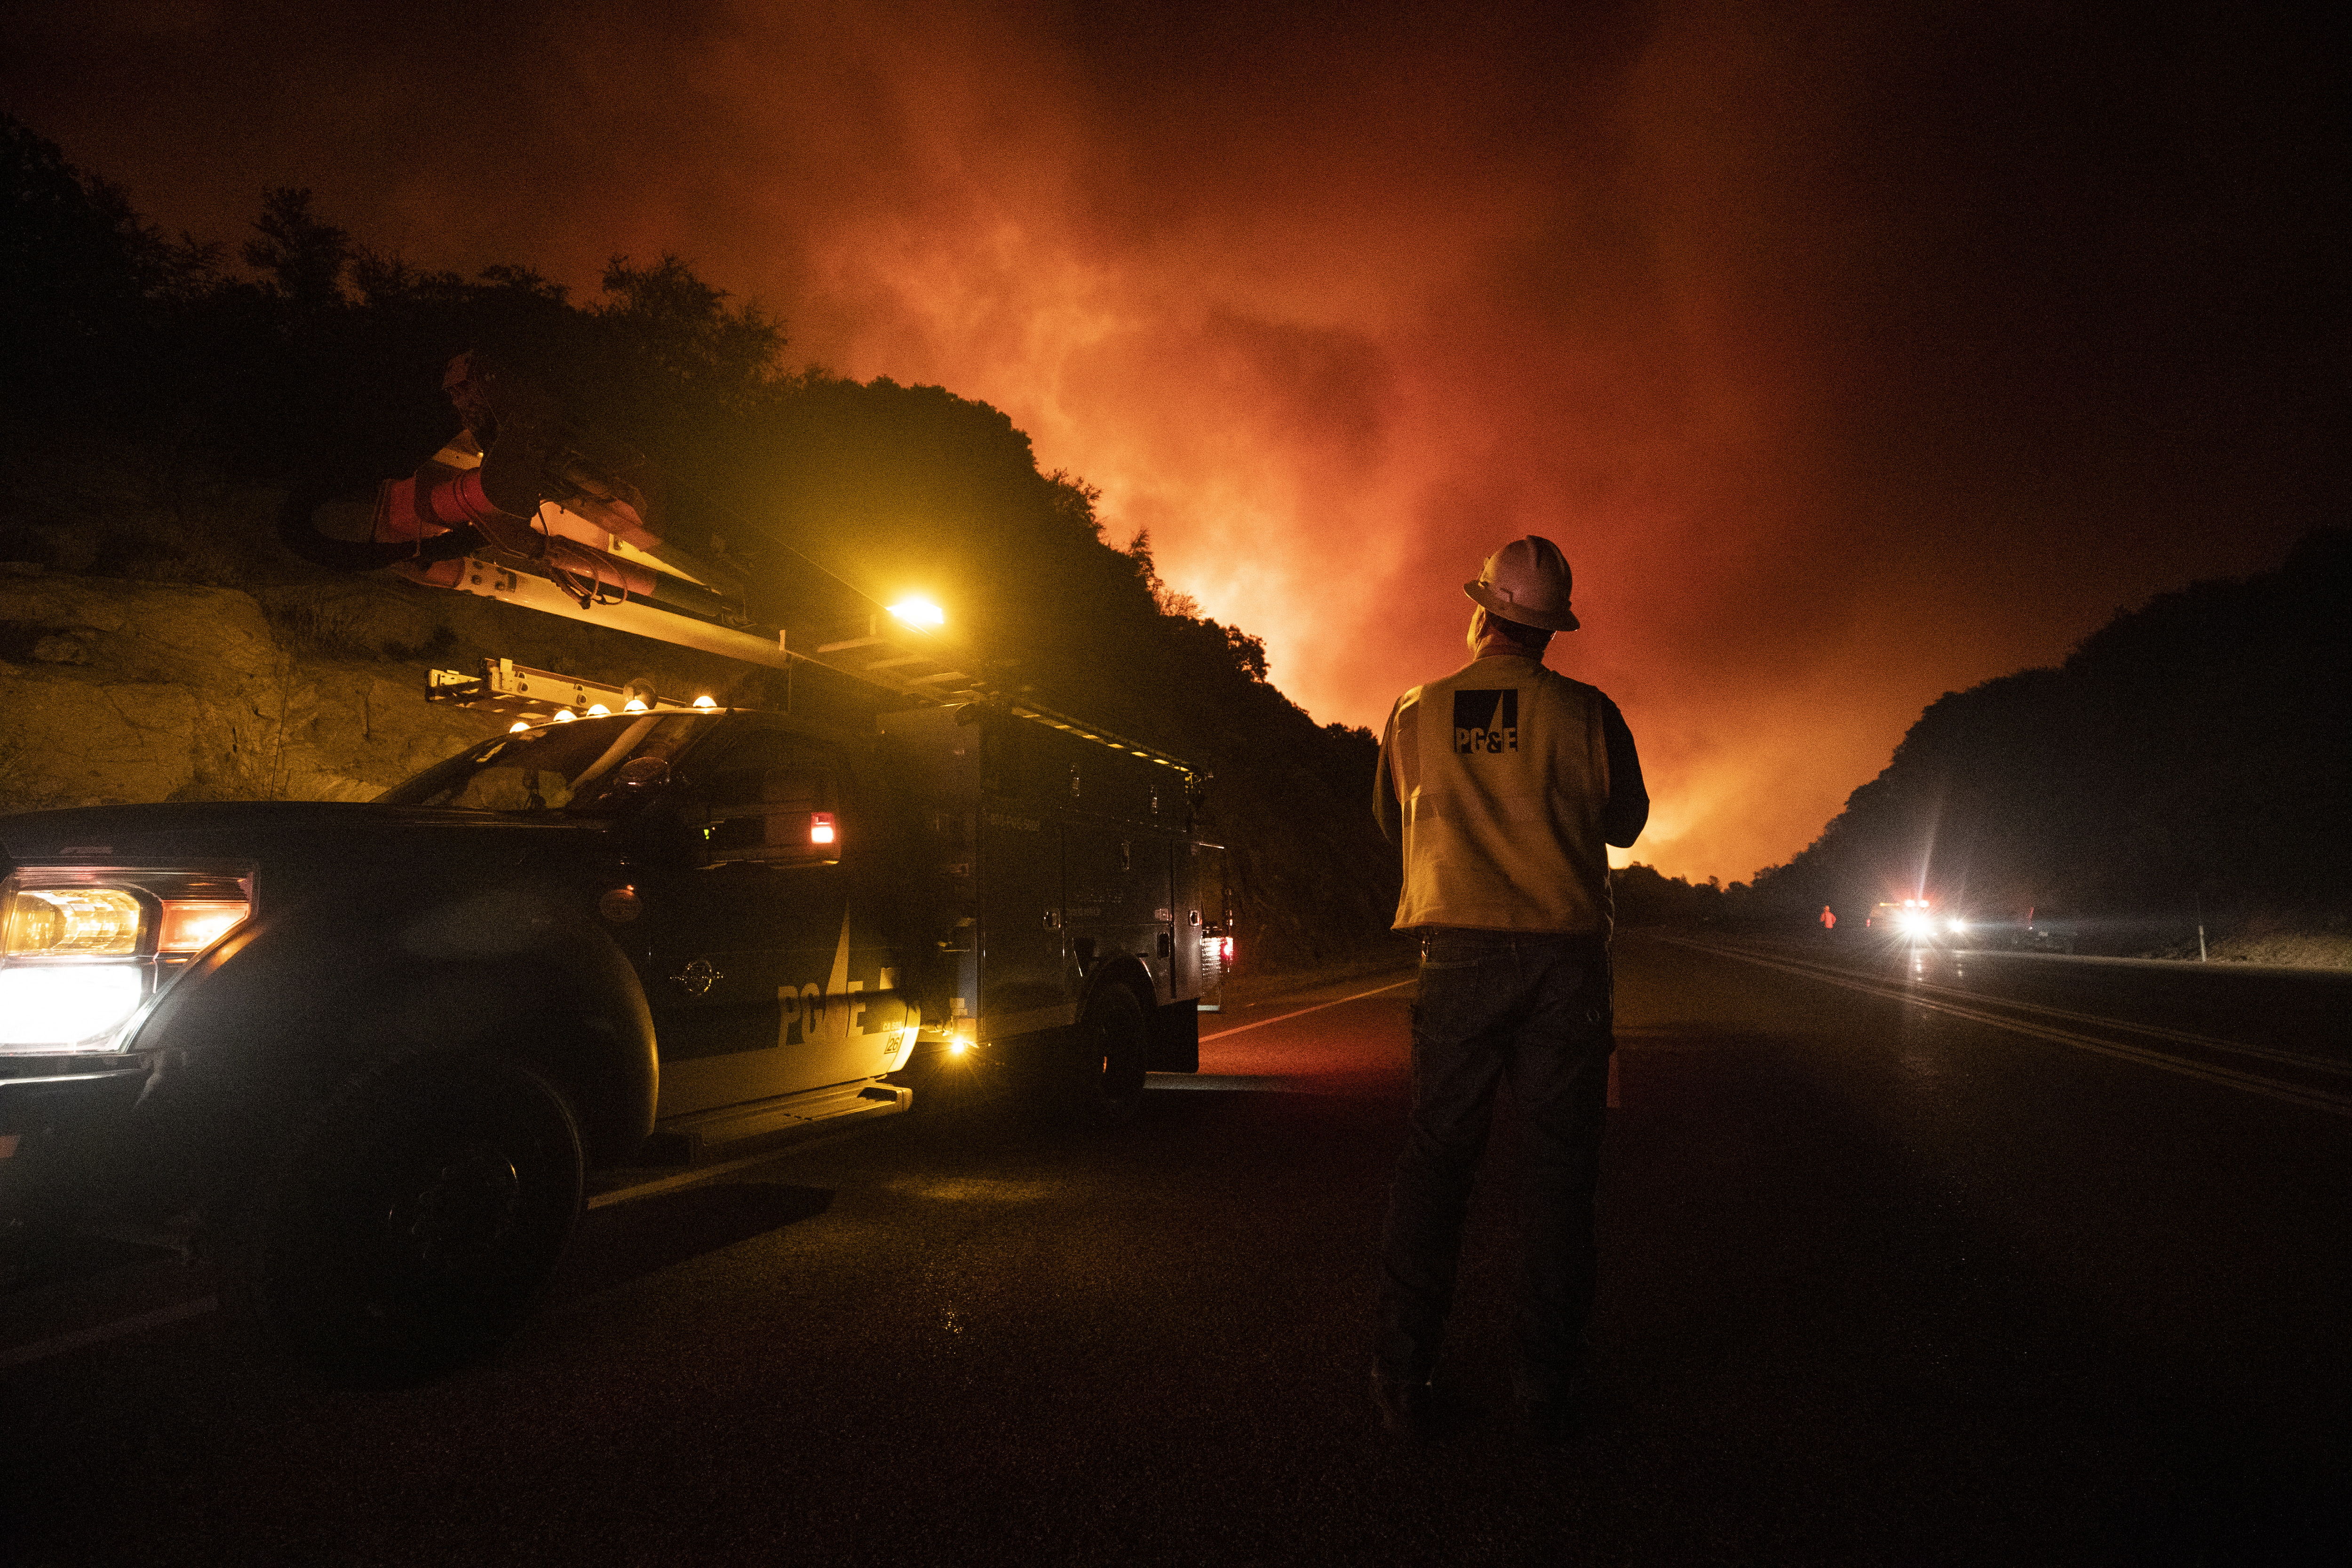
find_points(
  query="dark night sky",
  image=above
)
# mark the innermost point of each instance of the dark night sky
(1853, 352)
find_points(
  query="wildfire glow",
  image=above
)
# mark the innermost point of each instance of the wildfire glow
(1764, 313)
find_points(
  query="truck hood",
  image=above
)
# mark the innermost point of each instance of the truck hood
(263, 831)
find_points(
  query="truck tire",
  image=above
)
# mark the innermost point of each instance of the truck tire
(414, 1226)
(1105, 1085)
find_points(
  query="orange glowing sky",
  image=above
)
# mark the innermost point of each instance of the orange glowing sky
(1852, 354)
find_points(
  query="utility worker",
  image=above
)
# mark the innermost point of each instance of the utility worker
(1501, 783)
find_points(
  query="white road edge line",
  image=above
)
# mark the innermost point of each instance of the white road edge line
(2316, 1100)
(41, 1349)
(2154, 1031)
(1262, 1022)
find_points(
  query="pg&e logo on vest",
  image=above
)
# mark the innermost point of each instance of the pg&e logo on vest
(1486, 721)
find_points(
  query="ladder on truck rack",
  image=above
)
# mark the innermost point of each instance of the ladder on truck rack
(536, 697)
(890, 661)
(540, 696)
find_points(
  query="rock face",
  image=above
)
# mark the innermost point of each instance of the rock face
(115, 691)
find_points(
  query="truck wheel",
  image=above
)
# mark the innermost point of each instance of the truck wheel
(1106, 1074)
(414, 1226)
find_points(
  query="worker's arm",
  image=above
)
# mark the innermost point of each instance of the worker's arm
(1386, 809)
(1628, 811)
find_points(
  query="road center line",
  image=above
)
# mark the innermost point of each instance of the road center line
(41, 1349)
(2253, 1083)
(1262, 1022)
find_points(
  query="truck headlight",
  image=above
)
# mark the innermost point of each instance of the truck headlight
(84, 950)
(92, 923)
(65, 1005)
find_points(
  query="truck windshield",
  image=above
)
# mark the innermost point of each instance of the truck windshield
(560, 767)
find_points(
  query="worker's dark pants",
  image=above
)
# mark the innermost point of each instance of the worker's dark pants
(1534, 1009)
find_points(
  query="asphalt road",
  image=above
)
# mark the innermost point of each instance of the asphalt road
(1970, 1263)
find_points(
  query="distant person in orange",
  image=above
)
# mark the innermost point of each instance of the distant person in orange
(1503, 784)
(1829, 919)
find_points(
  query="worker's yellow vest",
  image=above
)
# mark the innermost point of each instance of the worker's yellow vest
(1501, 772)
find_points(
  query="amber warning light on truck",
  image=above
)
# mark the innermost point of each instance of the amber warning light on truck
(820, 827)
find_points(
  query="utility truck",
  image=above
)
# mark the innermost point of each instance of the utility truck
(366, 1055)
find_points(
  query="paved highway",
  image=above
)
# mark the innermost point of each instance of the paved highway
(1980, 1261)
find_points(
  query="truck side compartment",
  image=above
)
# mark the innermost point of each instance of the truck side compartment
(1063, 860)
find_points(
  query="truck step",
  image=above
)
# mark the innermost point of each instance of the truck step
(736, 1130)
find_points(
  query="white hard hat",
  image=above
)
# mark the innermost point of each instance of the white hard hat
(1526, 581)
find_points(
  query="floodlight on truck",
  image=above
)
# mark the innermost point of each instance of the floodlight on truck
(920, 612)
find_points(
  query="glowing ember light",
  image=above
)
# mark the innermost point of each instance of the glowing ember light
(920, 612)
(634, 705)
(518, 727)
(598, 710)
(820, 827)
(565, 715)
(704, 702)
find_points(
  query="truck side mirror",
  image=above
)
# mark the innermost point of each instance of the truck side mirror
(642, 773)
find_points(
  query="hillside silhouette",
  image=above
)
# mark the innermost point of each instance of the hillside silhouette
(168, 399)
(2189, 763)
(2191, 756)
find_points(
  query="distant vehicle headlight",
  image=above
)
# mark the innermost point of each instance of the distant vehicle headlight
(1956, 925)
(83, 950)
(1912, 920)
